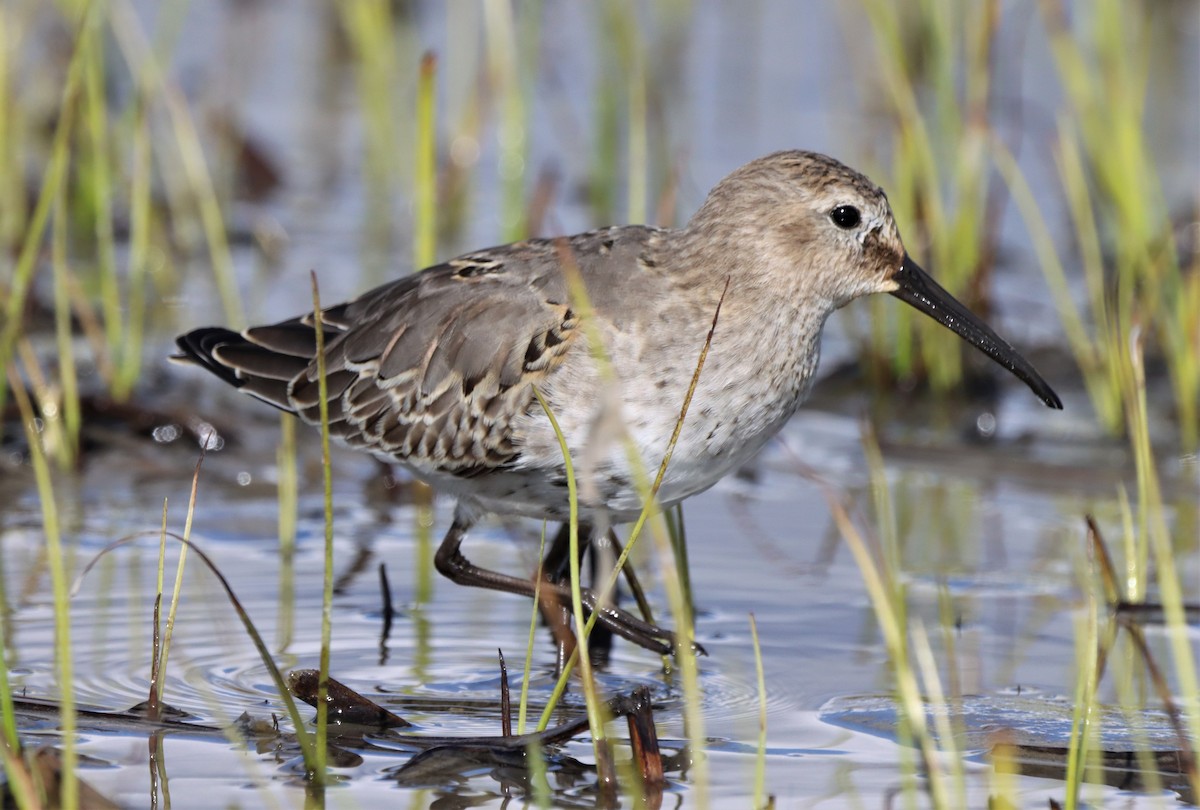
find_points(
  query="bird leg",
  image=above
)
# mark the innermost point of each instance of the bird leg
(631, 578)
(556, 569)
(556, 612)
(555, 564)
(600, 560)
(451, 564)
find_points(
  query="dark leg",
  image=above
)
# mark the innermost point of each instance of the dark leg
(631, 577)
(555, 564)
(454, 566)
(600, 559)
(556, 567)
(555, 611)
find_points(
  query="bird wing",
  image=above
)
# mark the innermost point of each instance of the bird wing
(430, 368)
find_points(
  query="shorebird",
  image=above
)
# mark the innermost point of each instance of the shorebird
(436, 371)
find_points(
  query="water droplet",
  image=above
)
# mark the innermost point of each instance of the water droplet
(165, 434)
(986, 424)
(208, 437)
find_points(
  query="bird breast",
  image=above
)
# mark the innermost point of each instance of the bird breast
(618, 414)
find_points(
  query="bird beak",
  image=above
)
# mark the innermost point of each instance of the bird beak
(919, 290)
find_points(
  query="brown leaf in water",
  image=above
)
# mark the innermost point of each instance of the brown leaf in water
(346, 707)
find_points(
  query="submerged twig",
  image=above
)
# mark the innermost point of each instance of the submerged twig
(388, 611)
(1127, 615)
(1187, 761)
(643, 736)
(505, 699)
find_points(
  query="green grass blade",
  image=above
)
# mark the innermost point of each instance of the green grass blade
(289, 496)
(596, 718)
(56, 562)
(319, 774)
(52, 180)
(760, 753)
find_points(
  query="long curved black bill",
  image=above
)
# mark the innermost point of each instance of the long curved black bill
(922, 292)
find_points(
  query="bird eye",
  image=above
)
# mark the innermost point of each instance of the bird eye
(845, 216)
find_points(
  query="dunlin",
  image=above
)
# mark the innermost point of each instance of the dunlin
(436, 371)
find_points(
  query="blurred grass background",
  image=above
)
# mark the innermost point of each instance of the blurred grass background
(133, 186)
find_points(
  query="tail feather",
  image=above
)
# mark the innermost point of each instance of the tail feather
(262, 368)
(197, 347)
(293, 338)
(272, 392)
(267, 362)
(255, 361)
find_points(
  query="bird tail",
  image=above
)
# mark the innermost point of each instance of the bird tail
(262, 361)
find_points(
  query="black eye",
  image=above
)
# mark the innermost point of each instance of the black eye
(845, 216)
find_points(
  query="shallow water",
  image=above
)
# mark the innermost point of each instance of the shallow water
(1000, 554)
(991, 530)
